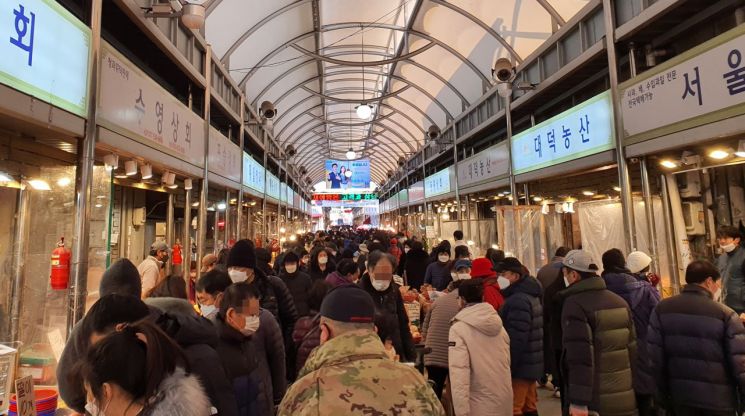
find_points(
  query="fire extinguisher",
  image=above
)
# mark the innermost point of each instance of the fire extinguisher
(60, 275)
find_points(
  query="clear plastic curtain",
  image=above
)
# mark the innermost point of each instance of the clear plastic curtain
(523, 237)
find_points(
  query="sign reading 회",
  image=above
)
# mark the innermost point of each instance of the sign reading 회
(44, 53)
(489, 164)
(131, 101)
(583, 130)
(225, 156)
(687, 87)
(437, 184)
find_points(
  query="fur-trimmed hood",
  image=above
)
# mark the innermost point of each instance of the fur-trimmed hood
(180, 394)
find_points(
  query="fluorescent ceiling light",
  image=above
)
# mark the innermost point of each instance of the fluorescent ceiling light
(39, 185)
(667, 163)
(719, 154)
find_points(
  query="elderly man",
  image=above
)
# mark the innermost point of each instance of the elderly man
(150, 268)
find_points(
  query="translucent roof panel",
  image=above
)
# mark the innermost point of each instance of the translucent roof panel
(415, 62)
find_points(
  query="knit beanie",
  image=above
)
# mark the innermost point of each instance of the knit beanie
(122, 278)
(242, 254)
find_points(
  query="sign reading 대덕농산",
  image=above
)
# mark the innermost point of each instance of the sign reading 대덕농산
(253, 173)
(486, 165)
(688, 86)
(224, 156)
(583, 130)
(44, 53)
(437, 184)
(132, 101)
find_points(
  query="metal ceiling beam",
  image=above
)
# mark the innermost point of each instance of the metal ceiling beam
(336, 123)
(296, 142)
(381, 62)
(484, 26)
(550, 9)
(353, 100)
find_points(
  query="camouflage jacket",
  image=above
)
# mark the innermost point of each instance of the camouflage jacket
(351, 375)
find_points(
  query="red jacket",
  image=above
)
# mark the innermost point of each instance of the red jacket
(492, 293)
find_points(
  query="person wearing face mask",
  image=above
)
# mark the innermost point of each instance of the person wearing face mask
(252, 351)
(436, 326)
(296, 281)
(696, 348)
(273, 293)
(522, 314)
(599, 343)
(350, 373)
(731, 265)
(401, 269)
(210, 288)
(390, 316)
(321, 264)
(120, 381)
(438, 273)
(479, 356)
(417, 261)
(150, 268)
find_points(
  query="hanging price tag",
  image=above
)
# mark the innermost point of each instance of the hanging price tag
(25, 396)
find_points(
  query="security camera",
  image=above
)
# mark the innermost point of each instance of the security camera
(290, 150)
(267, 110)
(401, 161)
(303, 171)
(433, 132)
(503, 70)
(390, 174)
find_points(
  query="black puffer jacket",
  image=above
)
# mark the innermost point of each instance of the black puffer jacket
(298, 284)
(391, 319)
(522, 315)
(415, 267)
(276, 298)
(599, 347)
(696, 349)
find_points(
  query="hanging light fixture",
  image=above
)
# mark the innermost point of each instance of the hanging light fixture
(364, 110)
(351, 154)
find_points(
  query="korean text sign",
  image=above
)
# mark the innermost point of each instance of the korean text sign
(132, 101)
(338, 176)
(272, 186)
(225, 156)
(581, 131)
(44, 53)
(488, 164)
(437, 184)
(253, 173)
(707, 82)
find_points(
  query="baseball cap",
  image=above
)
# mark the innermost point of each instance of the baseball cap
(638, 261)
(462, 263)
(510, 264)
(348, 303)
(159, 245)
(580, 261)
(207, 261)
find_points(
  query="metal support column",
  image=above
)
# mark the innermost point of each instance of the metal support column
(508, 122)
(170, 229)
(78, 291)
(228, 222)
(457, 186)
(20, 245)
(186, 238)
(202, 222)
(241, 134)
(672, 248)
(279, 202)
(264, 216)
(627, 203)
(649, 214)
(426, 208)
(526, 190)
(468, 234)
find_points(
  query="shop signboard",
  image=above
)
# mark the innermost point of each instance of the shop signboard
(403, 196)
(282, 192)
(416, 192)
(253, 173)
(44, 53)
(343, 197)
(697, 87)
(437, 184)
(363, 203)
(583, 130)
(297, 201)
(272, 186)
(133, 104)
(224, 156)
(492, 163)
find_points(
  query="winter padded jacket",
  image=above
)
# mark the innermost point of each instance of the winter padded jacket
(436, 329)
(391, 318)
(275, 297)
(641, 298)
(298, 284)
(306, 336)
(178, 394)
(599, 347)
(255, 365)
(416, 267)
(696, 348)
(479, 356)
(522, 315)
(438, 275)
(493, 294)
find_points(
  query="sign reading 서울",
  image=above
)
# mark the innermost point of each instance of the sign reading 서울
(687, 87)
(44, 53)
(130, 100)
(583, 130)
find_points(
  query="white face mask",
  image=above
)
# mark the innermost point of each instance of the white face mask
(503, 282)
(566, 281)
(728, 248)
(291, 268)
(207, 310)
(323, 260)
(462, 276)
(443, 258)
(381, 285)
(406, 249)
(93, 409)
(251, 325)
(237, 276)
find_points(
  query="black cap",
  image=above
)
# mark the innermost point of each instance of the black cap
(242, 254)
(348, 304)
(290, 257)
(509, 264)
(121, 277)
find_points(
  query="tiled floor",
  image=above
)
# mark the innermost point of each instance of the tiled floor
(547, 405)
